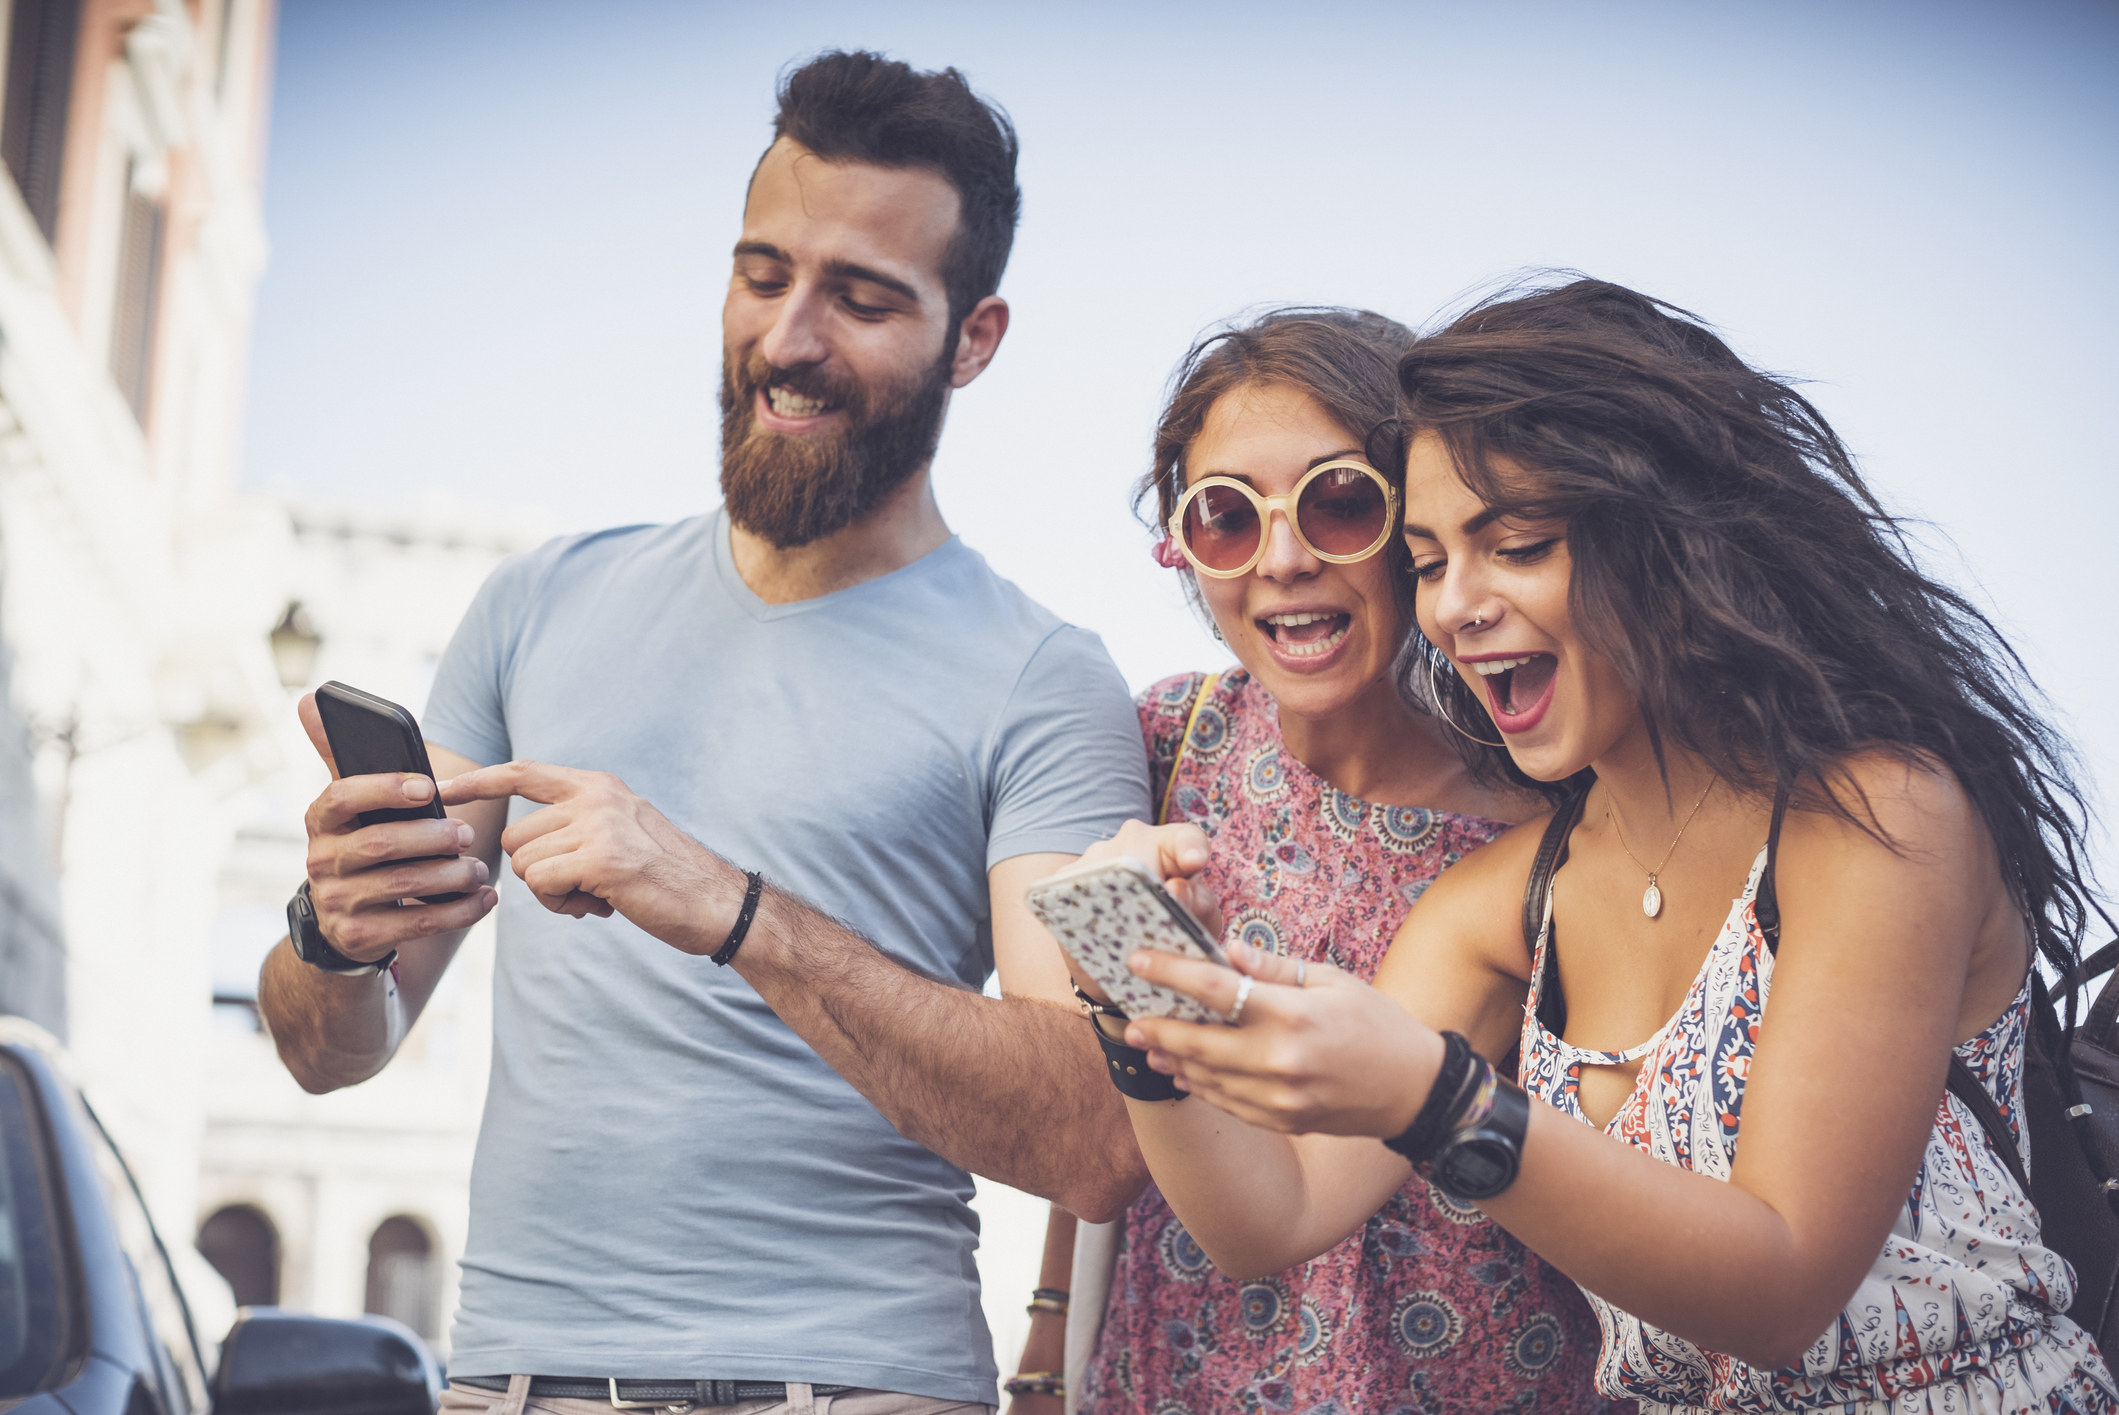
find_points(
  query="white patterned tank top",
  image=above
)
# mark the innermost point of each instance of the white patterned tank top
(1957, 1314)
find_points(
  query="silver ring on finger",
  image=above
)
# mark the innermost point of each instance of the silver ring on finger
(1243, 995)
(1302, 972)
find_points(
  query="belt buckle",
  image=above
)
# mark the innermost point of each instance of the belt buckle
(675, 1407)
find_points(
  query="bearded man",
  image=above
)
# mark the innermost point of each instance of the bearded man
(811, 737)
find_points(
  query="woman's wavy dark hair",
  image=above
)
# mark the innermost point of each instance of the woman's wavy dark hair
(1347, 360)
(1730, 562)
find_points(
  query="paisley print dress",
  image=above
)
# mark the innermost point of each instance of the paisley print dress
(1956, 1315)
(1429, 1309)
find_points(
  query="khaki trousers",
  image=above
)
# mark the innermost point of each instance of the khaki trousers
(469, 1400)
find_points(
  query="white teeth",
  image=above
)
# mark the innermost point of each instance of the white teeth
(789, 404)
(1292, 621)
(1496, 666)
(1324, 645)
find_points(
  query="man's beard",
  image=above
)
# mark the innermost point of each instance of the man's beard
(794, 490)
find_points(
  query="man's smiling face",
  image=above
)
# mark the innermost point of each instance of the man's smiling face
(836, 349)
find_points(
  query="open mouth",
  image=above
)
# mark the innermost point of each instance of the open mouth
(787, 403)
(1514, 686)
(1309, 634)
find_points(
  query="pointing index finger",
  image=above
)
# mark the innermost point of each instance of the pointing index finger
(533, 781)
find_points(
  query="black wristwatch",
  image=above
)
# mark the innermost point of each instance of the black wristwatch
(313, 948)
(1481, 1157)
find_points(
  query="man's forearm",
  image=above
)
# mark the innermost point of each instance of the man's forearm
(331, 1030)
(1011, 1088)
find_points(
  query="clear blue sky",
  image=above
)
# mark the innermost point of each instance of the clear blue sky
(500, 234)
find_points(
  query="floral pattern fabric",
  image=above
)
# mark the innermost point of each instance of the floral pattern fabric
(1430, 1309)
(1956, 1315)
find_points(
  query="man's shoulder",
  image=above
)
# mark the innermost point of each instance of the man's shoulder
(562, 562)
(998, 624)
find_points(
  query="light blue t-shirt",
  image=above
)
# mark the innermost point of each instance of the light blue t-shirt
(669, 1182)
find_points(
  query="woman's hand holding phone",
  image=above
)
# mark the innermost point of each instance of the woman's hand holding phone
(1178, 855)
(1141, 889)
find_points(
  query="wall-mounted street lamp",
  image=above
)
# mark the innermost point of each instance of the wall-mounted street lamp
(294, 645)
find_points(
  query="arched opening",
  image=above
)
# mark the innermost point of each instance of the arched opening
(244, 1247)
(401, 1274)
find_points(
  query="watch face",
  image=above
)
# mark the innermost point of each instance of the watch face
(1476, 1166)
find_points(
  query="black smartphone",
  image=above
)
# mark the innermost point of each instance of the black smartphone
(369, 735)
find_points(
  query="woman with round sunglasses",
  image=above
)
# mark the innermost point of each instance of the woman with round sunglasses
(1329, 804)
(1813, 844)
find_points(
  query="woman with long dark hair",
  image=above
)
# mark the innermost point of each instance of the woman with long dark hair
(1810, 837)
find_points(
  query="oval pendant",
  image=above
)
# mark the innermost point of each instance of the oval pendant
(1652, 899)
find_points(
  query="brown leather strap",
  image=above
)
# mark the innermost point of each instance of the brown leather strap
(2104, 1012)
(1766, 903)
(1965, 1086)
(1552, 851)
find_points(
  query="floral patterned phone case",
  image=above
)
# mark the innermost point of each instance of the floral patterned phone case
(1105, 912)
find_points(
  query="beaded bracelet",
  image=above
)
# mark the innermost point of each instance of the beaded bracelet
(1048, 1299)
(1036, 1383)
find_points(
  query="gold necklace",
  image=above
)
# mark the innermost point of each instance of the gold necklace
(1652, 897)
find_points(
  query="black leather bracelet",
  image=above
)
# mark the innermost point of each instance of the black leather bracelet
(1438, 1113)
(727, 952)
(1130, 1072)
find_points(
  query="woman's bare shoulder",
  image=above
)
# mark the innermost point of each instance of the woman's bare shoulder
(1906, 803)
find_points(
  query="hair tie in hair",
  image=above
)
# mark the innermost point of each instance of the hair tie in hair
(1168, 555)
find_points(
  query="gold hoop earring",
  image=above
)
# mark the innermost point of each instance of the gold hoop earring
(1434, 693)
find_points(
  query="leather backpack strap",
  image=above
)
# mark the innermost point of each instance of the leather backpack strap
(1552, 853)
(1965, 1086)
(1552, 850)
(2104, 1012)
(1206, 686)
(1766, 904)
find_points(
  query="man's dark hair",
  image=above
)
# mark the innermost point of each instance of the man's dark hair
(855, 106)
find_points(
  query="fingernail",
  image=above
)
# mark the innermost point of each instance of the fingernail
(1136, 1038)
(1238, 950)
(479, 867)
(418, 788)
(463, 836)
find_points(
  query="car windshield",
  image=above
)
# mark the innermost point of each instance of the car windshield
(33, 1290)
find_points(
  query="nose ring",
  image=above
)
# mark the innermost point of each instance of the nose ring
(1477, 620)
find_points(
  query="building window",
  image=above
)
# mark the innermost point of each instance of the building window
(401, 1274)
(132, 334)
(40, 89)
(243, 1247)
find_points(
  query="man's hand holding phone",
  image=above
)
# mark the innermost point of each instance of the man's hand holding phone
(360, 876)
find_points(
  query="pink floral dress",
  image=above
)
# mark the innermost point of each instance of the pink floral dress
(1430, 1309)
